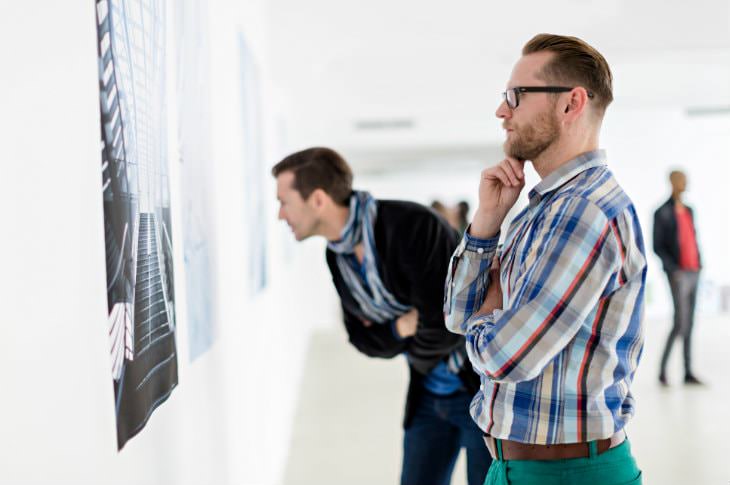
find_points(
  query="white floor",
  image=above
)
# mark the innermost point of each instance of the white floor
(348, 423)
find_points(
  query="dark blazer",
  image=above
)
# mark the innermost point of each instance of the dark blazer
(666, 238)
(414, 246)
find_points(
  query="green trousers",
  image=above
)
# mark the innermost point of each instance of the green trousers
(613, 467)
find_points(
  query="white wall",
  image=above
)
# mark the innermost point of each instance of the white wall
(228, 420)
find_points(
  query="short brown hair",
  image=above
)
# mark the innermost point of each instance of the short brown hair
(318, 168)
(575, 63)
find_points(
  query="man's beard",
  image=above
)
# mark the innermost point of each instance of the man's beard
(533, 139)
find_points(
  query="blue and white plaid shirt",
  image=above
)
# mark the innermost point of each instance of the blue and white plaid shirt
(556, 362)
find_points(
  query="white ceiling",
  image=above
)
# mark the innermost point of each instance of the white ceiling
(426, 76)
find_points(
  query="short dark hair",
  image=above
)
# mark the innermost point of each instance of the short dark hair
(575, 63)
(437, 205)
(318, 168)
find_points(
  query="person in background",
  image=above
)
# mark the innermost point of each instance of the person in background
(439, 207)
(388, 262)
(553, 321)
(448, 213)
(675, 242)
(462, 212)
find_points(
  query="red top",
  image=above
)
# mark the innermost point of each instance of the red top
(689, 258)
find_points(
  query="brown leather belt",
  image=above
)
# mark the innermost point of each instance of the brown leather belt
(513, 450)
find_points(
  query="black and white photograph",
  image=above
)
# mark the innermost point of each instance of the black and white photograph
(134, 168)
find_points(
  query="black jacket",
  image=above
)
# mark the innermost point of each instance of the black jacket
(666, 237)
(414, 247)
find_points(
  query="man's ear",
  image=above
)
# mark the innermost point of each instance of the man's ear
(576, 103)
(319, 198)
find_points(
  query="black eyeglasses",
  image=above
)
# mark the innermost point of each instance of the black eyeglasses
(512, 95)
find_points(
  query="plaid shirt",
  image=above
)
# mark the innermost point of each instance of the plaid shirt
(556, 362)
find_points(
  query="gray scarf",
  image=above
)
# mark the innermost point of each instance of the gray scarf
(379, 304)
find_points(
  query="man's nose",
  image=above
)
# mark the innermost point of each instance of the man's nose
(503, 110)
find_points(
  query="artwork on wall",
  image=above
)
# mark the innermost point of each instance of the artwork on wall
(136, 198)
(198, 217)
(255, 175)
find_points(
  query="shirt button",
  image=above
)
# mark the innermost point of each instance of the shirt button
(480, 250)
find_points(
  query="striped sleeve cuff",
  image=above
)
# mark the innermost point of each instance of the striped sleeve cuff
(480, 246)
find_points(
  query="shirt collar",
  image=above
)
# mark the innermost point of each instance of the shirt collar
(565, 172)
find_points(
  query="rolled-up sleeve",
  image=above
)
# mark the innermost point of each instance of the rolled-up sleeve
(467, 280)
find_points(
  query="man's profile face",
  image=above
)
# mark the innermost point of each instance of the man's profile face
(297, 212)
(533, 126)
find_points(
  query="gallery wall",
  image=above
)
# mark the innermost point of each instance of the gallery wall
(228, 419)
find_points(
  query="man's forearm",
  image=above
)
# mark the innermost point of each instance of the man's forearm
(467, 280)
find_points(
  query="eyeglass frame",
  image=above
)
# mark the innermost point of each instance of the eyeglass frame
(536, 89)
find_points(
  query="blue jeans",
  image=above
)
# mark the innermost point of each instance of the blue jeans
(441, 425)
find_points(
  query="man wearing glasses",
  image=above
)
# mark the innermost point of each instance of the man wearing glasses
(554, 328)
